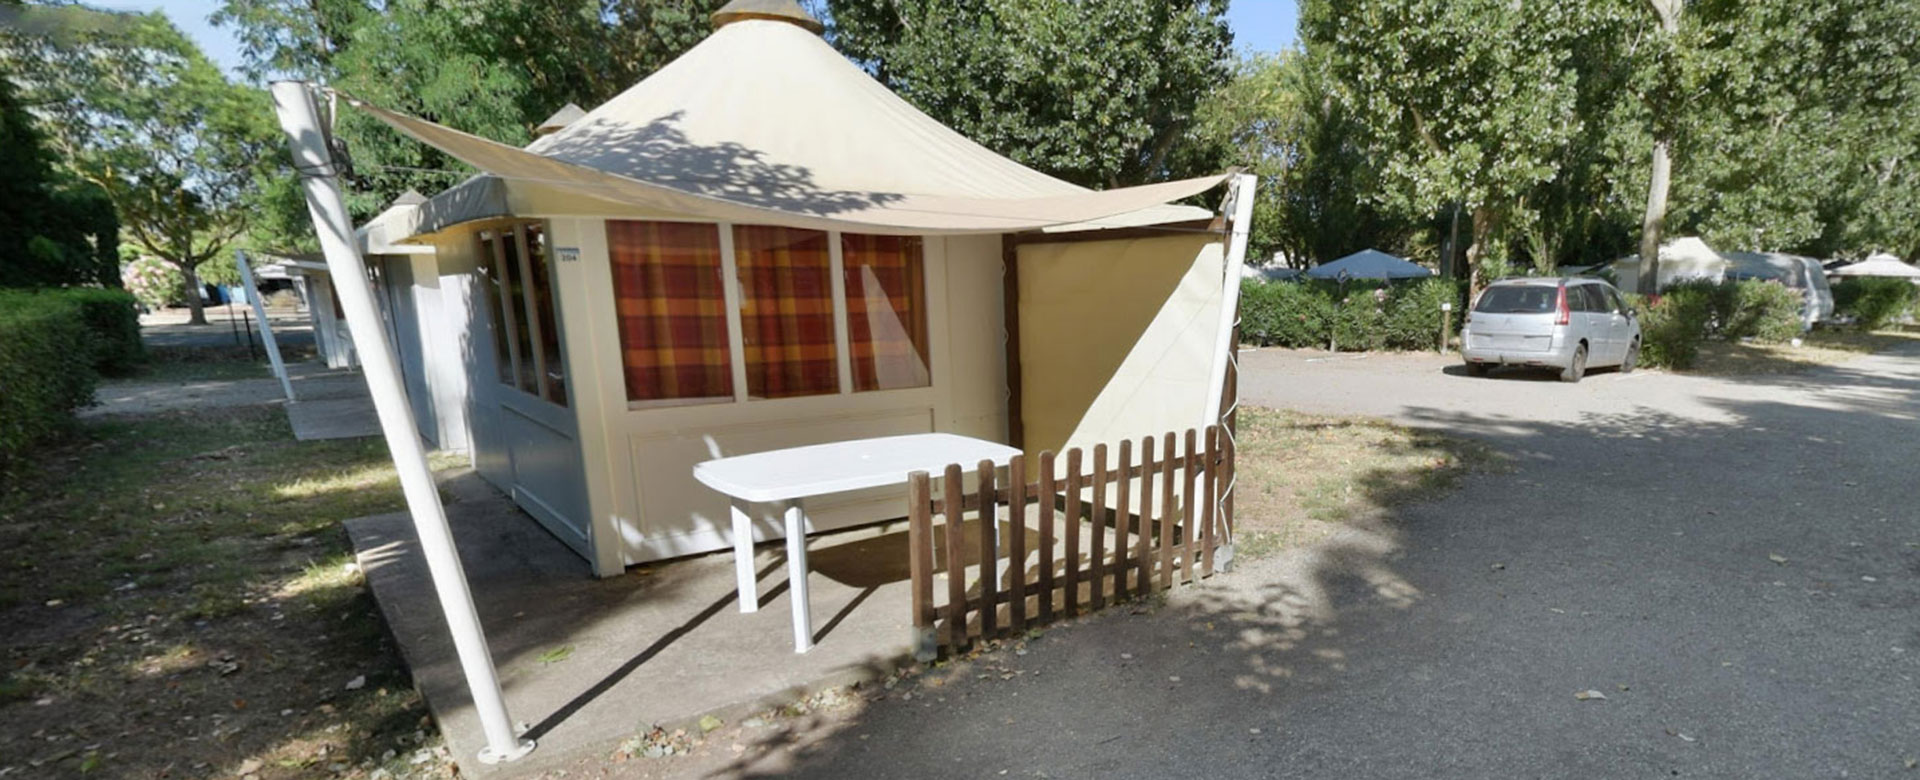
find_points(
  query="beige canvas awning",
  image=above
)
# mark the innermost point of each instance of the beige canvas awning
(764, 122)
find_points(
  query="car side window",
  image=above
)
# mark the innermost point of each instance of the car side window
(1581, 298)
(1619, 305)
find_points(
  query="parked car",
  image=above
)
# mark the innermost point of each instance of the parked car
(1804, 274)
(1569, 324)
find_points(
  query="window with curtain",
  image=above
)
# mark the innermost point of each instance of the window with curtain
(519, 290)
(786, 311)
(886, 293)
(671, 303)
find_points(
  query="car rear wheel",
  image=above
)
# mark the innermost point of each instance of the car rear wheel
(1632, 359)
(1577, 367)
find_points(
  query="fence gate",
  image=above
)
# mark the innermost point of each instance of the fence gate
(1065, 543)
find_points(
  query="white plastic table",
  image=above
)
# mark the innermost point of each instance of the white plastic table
(788, 477)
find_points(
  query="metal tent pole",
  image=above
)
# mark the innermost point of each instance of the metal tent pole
(266, 331)
(300, 119)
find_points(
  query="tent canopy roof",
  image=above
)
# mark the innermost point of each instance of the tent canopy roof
(1878, 265)
(1369, 264)
(764, 122)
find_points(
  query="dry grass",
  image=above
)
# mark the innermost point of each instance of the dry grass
(1824, 347)
(1301, 475)
(178, 602)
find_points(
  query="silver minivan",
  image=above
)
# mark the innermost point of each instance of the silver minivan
(1569, 324)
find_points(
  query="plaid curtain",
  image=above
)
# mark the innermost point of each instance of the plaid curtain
(786, 313)
(673, 315)
(886, 311)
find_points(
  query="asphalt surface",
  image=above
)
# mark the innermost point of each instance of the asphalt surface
(1733, 564)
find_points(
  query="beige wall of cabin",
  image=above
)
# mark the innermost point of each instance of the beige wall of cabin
(645, 504)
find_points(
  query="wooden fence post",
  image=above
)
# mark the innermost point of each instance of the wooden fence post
(1017, 543)
(1189, 512)
(956, 557)
(1097, 532)
(1071, 587)
(1168, 512)
(1122, 512)
(1143, 542)
(926, 646)
(1207, 513)
(1046, 512)
(989, 552)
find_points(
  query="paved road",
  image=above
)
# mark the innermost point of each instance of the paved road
(1628, 552)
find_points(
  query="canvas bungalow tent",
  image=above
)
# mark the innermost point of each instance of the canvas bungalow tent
(759, 246)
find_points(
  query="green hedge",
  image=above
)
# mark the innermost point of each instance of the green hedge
(112, 318)
(1369, 316)
(1874, 303)
(46, 369)
(1691, 312)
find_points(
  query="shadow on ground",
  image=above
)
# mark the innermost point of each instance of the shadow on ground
(1739, 585)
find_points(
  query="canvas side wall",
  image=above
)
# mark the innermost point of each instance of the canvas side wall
(1117, 337)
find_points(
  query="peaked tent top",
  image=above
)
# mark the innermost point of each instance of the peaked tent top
(777, 10)
(1881, 264)
(1369, 264)
(567, 115)
(765, 122)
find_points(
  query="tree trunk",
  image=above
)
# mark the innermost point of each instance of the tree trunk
(193, 296)
(1482, 234)
(1656, 219)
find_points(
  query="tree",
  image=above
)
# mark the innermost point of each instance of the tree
(1664, 111)
(135, 109)
(1101, 94)
(478, 70)
(1463, 101)
(53, 231)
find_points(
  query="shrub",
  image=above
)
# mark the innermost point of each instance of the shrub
(1762, 310)
(113, 327)
(1285, 314)
(157, 283)
(1673, 325)
(1874, 303)
(46, 369)
(1413, 316)
(1359, 319)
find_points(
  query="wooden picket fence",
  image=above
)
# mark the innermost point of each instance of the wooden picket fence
(1072, 543)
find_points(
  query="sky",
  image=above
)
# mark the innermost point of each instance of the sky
(1258, 25)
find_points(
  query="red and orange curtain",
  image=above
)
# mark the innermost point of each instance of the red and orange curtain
(786, 311)
(671, 300)
(886, 311)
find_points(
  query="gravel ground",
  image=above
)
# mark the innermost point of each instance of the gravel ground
(1733, 564)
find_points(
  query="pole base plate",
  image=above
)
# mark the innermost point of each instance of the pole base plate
(490, 756)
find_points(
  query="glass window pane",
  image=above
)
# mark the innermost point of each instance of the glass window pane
(517, 320)
(672, 306)
(543, 301)
(491, 285)
(886, 311)
(786, 311)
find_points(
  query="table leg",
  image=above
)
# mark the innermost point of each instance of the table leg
(743, 558)
(797, 577)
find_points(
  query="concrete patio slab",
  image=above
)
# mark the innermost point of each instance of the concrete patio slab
(332, 418)
(586, 663)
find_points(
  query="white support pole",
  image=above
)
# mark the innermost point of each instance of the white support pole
(266, 331)
(1239, 225)
(299, 118)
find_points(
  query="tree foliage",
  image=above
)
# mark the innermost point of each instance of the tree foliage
(496, 68)
(134, 108)
(1100, 94)
(54, 231)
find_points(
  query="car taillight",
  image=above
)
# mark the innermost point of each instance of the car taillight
(1560, 305)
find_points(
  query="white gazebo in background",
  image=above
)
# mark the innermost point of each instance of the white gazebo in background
(1881, 264)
